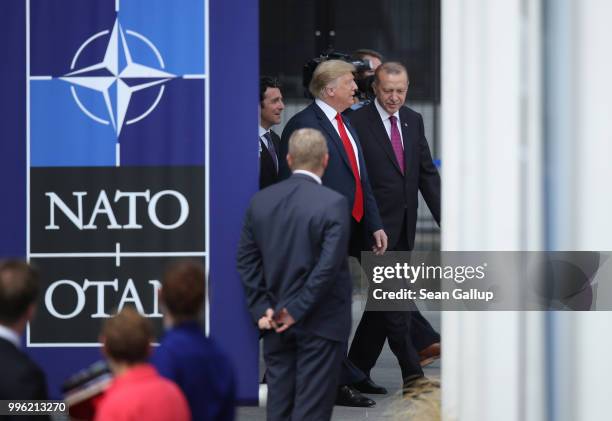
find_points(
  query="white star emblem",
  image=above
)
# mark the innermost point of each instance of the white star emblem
(89, 77)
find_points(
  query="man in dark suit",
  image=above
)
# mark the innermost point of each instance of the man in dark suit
(292, 261)
(21, 377)
(270, 108)
(399, 162)
(333, 88)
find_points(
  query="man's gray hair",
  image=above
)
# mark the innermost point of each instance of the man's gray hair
(326, 73)
(390, 68)
(307, 148)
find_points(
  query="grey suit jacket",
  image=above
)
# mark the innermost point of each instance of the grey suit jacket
(293, 254)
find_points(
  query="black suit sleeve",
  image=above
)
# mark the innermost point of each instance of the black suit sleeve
(334, 247)
(250, 267)
(429, 178)
(276, 141)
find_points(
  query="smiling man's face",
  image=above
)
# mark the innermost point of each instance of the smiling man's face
(271, 108)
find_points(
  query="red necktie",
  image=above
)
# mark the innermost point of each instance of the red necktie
(346, 142)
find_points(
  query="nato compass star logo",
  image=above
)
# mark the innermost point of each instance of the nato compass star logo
(119, 74)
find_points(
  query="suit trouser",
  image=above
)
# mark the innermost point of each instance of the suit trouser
(421, 331)
(393, 325)
(407, 332)
(302, 375)
(350, 373)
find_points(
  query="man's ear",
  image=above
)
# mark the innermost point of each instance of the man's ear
(30, 312)
(290, 161)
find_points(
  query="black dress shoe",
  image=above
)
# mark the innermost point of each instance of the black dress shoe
(349, 396)
(368, 386)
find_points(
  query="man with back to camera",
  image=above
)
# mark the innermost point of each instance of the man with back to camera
(399, 162)
(20, 377)
(293, 265)
(270, 109)
(333, 87)
(185, 355)
(137, 391)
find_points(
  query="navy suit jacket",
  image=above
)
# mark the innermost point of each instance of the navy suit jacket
(338, 175)
(200, 370)
(267, 169)
(20, 378)
(397, 193)
(293, 254)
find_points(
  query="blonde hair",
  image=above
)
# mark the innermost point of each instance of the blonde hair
(326, 73)
(307, 148)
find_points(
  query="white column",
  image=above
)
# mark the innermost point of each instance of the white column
(593, 119)
(582, 368)
(491, 140)
(594, 211)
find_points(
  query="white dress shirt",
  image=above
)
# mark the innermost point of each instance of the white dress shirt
(10, 335)
(309, 174)
(262, 132)
(384, 115)
(330, 113)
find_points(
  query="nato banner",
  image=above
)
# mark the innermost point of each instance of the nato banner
(116, 141)
(105, 164)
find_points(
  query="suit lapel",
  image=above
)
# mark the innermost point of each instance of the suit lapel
(275, 140)
(382, 137)
(410, 152)
(331, 132)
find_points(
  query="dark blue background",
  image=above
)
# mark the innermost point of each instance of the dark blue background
(234, 74)
(68, 30)
(145, 142)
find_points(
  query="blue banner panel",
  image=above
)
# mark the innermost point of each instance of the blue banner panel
(234, 98)
(13, 131)
(104, 94)
(115, 162)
